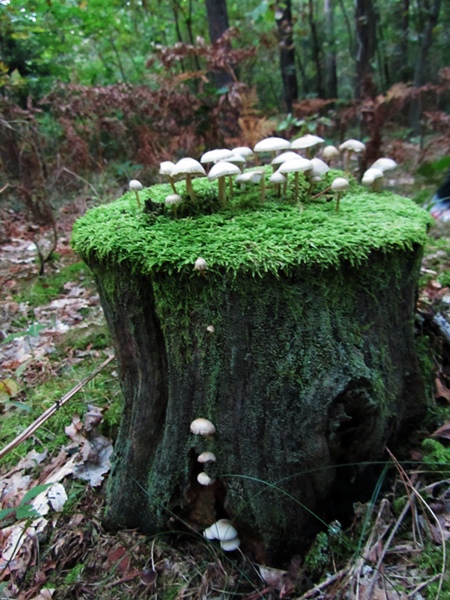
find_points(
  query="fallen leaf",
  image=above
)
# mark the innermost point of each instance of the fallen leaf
(442, 432)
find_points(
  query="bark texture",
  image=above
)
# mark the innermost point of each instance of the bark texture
(301, 374)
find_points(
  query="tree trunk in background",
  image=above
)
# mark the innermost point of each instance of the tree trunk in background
(217, 25)
(366, 41)
(283, 17)
(331, 84)
(400, 65)
(316, 49)
(430, 12)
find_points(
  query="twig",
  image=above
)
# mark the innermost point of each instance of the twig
(81, 179)
(320, 586)
(50, 411)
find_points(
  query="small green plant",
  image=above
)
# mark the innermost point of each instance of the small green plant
(436, 456)
(24, 510)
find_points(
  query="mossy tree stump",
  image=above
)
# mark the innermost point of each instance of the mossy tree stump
(309, 363)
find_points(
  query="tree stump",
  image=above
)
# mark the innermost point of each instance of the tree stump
(296, 342)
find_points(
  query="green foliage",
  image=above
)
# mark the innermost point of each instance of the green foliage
(24, 510)
(436, 456)
(278, 235)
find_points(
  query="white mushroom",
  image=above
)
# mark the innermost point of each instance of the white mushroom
(207, 456)
(188, 168)
(384, 164)
(165, 169)
(230, 545)
(350, 147)
(330, 153)
(223, 530)
(173, 200)
(219, 171)
(307, 142)
(371, 177)
(200, 264)
(339, 186)
(208, 534)
(296, 166)
(272, 145)
(136, 185)
(204, 479)
(202, 426)
(278, 179)
(213, 156)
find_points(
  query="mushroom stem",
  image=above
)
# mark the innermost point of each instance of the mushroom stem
(338, 197)
(263, 188)
(137, 198)
(189, 188)
(172, 185)
(222, 191)
(296, 185)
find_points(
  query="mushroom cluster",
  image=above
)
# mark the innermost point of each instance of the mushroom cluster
(223, 531)
(297, 157)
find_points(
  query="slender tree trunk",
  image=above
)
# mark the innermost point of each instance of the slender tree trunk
(283, 17)
(217, 25)
(365, 22)
(430, 12)
(316, 49)
(400, 64)
(331, 84)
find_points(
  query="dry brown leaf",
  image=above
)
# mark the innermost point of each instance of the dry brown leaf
(442, 432)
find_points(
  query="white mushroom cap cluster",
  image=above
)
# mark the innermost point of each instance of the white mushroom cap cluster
(223, 531)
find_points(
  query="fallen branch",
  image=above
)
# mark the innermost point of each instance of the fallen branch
(50, 411)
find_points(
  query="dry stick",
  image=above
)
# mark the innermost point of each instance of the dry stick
(430, 510)
(50, 411)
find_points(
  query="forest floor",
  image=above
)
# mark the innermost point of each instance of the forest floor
(52, 540)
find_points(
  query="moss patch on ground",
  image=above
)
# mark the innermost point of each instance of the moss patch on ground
(277, 235)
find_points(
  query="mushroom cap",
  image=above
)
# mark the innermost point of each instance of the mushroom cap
(306, 141)
(210, 328)
(223, 530)
(173, 199)
(188, 166)
(215, 155)
(202, 427)
(340, 184)
(370, 175)
(205, 457)
(208, 534)
(283, 157)
(296, 165)
(319, 167)
(222, 169)
(277, 177)
(200, 265)
(272, 144)
(166, 167)
(352, 145)
(384, 164)
(204, 479)
(330, 152)
(236, 159)
(244, 177)
(230, 545)
(244, 151)
(135, 185)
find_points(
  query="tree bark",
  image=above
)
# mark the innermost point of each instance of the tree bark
(317, 51)
(366, 40)
(283, 17)
(301, 374)
(331, 65)
(218, 24)
(430, 11)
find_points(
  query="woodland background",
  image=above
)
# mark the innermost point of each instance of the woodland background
(115, 87)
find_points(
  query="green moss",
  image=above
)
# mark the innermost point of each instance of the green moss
(271, 237)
